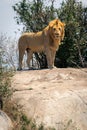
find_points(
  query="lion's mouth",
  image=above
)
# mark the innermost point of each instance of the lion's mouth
(57, 36)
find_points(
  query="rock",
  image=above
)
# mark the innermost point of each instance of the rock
(5, 121)
(56, 98)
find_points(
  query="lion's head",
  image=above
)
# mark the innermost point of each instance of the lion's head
(56, 29)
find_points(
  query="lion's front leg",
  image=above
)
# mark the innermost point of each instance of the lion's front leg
(53, 53)
(49, 58)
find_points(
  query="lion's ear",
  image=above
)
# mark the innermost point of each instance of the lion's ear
(63, 31)
(63, 24)
(62, 34)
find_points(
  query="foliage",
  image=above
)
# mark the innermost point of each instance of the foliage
(2, 38)
(8, 53)
(75, 42)
(34, 15)
(5, 90)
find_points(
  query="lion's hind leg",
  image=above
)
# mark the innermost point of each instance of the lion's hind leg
(21, 54)
(29, 57)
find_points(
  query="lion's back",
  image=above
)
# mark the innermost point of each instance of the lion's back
(33, 41)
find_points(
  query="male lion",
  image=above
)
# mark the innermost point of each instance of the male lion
(47, 40)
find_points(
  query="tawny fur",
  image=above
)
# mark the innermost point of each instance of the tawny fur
(47, 41)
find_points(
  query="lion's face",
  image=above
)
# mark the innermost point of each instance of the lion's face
(56, 28)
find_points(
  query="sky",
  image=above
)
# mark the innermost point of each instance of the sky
(8, 25)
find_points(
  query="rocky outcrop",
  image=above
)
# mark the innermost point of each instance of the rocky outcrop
(57, 98)
(5, 122)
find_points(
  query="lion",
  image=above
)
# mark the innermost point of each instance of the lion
(47, 41)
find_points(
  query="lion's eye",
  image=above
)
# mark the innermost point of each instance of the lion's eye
(60, 29)
(54, 29)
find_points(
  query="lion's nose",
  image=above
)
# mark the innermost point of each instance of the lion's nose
(57, 34)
